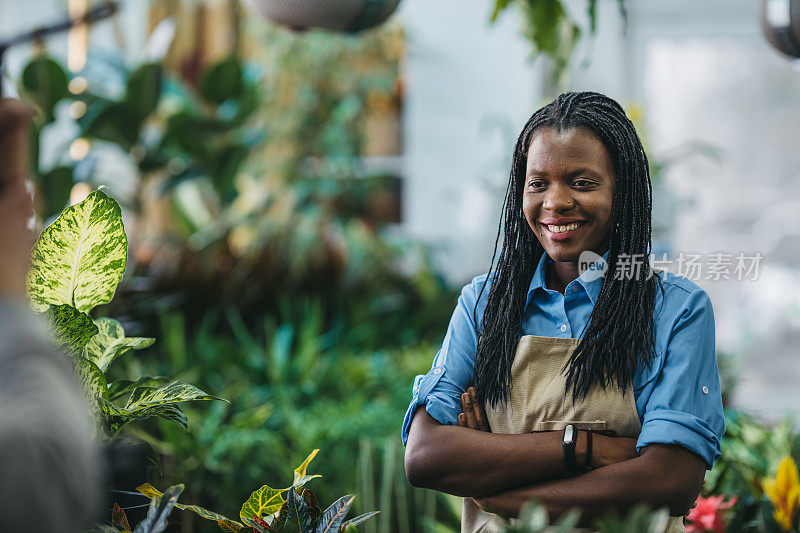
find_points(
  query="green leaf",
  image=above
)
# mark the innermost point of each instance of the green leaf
(148, 401)
(80, 258)
(197, 136)
(224, 168)
(223, 522)
(360, 519)
(70, 329)
(44, 82)
(222, 80)
(160, 509)
(53, 190)
(264, 501)
(499, 6)
(116, 123)
(144, 90)
(111, 342)
(591, 9)
(94, 385)
(298, 515)
(121, 387)
(333, 517)
(173, 393)
(117, 417)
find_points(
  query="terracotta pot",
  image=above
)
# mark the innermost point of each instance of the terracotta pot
(340, 15)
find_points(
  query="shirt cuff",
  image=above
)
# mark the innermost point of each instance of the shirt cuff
(678, 427)
(437, 407)
(440, 410)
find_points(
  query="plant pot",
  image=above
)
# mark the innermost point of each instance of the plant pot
(340, 15)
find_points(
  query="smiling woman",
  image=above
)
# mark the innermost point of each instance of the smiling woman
(587, 391)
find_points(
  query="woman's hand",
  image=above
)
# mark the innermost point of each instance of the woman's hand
(488, 504)
(472, 416)
(609, 450)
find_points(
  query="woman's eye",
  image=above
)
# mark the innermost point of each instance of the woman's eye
(582, 183)
(536, 184)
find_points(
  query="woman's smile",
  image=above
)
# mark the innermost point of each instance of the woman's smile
(559, 230)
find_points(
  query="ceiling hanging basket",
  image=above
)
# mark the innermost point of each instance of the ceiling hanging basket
(780, 22)
(349, 16)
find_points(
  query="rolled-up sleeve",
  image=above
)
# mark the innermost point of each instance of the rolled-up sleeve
(685, 406)
(453, 369)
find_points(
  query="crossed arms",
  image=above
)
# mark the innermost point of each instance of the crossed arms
(502, 472)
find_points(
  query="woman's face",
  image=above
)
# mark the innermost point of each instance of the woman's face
(569, 182)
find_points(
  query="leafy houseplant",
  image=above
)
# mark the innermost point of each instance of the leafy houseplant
(266, 510)
(77, 263)
(550, 29)
(201, 135)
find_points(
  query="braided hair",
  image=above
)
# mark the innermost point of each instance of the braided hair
(621, 326)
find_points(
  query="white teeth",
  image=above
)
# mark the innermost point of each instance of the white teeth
(562, 229)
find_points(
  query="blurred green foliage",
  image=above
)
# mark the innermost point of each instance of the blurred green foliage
(751, 452)
(293, 383)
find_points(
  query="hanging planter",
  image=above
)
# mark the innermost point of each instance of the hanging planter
(349, 16)
(780, 22)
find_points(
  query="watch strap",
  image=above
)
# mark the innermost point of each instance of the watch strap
(587, 465)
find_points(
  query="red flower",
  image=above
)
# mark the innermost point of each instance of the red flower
(709, 515)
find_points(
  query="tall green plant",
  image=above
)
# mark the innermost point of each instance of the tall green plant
(76, 265)
(550, 29)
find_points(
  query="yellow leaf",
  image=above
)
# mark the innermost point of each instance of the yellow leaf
(263, 501)
(148, 490)
(300, 471)
(784, 492)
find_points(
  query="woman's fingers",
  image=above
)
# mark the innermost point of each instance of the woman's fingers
(466, 406)
(462, 420)
(480, 414)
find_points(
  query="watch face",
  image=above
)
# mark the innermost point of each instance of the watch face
(569, 433)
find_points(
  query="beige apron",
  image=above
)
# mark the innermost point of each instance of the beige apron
(536, 403)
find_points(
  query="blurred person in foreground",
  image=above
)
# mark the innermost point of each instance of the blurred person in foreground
(50, 467)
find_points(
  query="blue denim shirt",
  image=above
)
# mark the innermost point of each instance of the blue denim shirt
(678, 396)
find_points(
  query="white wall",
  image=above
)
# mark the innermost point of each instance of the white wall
(470, 90)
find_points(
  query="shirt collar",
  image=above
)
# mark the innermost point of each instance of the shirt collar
(592, 287)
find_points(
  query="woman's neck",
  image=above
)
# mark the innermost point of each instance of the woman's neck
(560, 274)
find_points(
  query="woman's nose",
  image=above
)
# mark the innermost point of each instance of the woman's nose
(558, 199)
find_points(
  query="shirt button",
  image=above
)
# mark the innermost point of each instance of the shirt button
(563, 328)
(705, 389)
(574, 288)
(438, 370)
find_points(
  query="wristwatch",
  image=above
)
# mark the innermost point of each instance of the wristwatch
(568, 445)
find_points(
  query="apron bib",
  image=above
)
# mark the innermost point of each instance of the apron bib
(536, 402)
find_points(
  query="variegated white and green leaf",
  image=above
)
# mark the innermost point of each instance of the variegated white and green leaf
(117, 417)
(145, 402)
(69, 329)
(223, 522)
(121, 387)
(264, 501)
(80, 258)
(175, 392)
(111, 342)
(94, 386)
